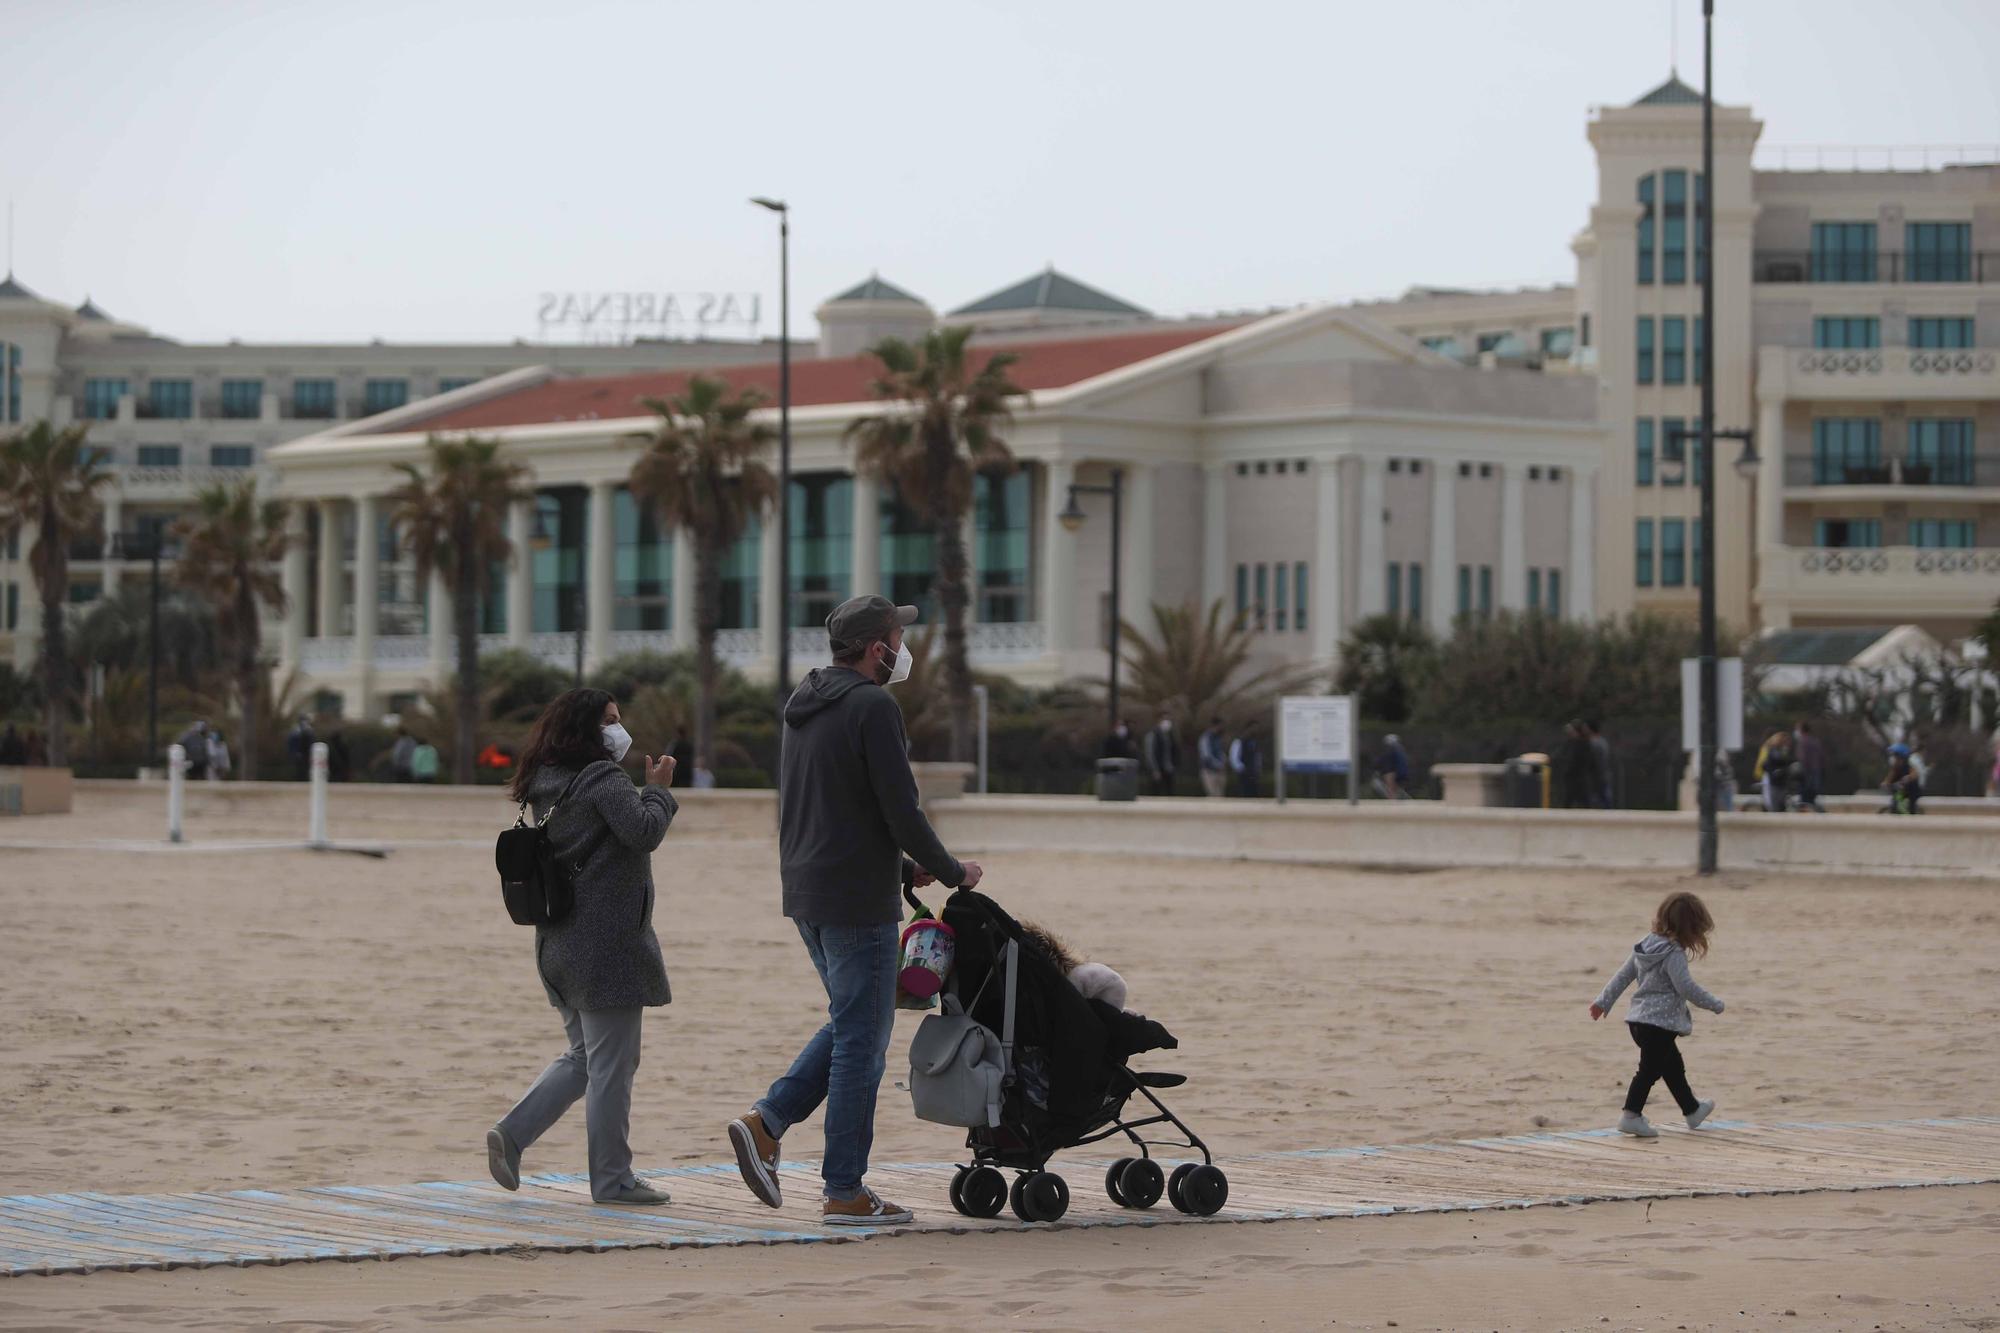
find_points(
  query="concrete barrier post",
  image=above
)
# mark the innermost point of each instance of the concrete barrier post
(316, 821)
(177, 763)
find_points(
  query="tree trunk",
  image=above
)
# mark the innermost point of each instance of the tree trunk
(707, 612)
(249, 652)
(953, 594)
(52, 577)
(465, 627)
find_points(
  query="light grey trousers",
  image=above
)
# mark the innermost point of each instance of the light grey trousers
(602, 1057)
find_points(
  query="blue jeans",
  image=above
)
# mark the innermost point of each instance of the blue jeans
(842, 1065)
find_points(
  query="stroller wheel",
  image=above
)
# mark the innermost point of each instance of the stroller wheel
(1040, 1196)
(957, 1191)
(1174, 1183)
(1111, 1177)
(1204, 1191)
(979, 1192)
(1141, 1183)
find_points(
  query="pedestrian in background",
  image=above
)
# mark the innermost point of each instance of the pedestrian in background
(1213, 758)
(1810, 756)
(1246, 762)
(1162, 756)
(1600, 751)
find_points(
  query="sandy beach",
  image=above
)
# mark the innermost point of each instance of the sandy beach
(193, 1019)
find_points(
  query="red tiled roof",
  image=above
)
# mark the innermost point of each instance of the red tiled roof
(1054, 364)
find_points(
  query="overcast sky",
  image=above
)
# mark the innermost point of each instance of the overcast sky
(410, 169)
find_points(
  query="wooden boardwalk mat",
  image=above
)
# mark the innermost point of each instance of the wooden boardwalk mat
(83, 1232)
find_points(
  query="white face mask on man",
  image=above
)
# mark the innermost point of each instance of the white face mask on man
(901, 671)
(617, 740)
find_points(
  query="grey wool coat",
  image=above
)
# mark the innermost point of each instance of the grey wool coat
(604, 954)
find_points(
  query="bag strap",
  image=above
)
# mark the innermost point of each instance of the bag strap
(1007, 1024)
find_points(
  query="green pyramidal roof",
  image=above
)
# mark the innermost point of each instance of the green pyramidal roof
(12, 289)
(1050, 290)
(875, 289)
(1671, 93)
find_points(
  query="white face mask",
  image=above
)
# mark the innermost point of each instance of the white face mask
(901, 671)
(617, 740)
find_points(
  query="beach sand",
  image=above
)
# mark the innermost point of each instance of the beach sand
(193, 1019)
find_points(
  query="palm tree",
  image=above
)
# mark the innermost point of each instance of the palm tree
(49, 478)
(941, 433)
(1384, 659)
(700, 472)
(230, 552)
(1196, 667)
(453, 518)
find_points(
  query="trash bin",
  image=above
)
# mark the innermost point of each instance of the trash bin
(1118, 779)
(1526, 783)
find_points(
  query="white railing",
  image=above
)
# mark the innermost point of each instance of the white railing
(399, 652)
(739, 647)
(626, 641)
(556, 647)
(326, 654)
(1936, 362)
(1977, 562)
(1005, 641)
(180, 480)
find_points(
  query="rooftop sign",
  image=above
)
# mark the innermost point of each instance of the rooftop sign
(615, 317)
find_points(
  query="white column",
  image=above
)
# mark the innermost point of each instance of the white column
(1374, 598)
(294, 575)
(866, 557)
(1214, 534)
(770, 602)
(1329, 564)
(680, 608)
(1135, 597)
(602, 536)
(114, 522)
(331, 567)
(1057, 565)
(367, 600)
(1582, 580)
(520, 573)
(1513, 539)
(439, 611)
(1441, 581)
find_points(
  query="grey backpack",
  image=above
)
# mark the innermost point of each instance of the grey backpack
(958, 1067)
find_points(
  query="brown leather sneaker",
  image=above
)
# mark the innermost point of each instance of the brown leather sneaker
(757, 1158)
(866, 1209)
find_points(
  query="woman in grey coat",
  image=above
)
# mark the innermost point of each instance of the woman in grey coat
(601, 964)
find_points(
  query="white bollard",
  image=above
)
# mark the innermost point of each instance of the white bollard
(177, 763)
(316, 831)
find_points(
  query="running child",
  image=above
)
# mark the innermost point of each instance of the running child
(1658, 1014)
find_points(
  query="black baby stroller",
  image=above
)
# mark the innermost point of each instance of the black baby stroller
(1064, 1081)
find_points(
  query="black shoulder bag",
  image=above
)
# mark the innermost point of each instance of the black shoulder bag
(538, 887)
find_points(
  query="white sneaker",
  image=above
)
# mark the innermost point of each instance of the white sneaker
(1636, 1126)
(1701, 1112)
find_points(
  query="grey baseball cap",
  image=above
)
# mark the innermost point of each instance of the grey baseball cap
(861, 620)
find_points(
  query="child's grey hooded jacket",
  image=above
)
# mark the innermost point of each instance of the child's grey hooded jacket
(1666, 987)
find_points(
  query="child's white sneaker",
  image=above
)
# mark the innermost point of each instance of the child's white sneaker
(1701, 1112)
(1635, 1124)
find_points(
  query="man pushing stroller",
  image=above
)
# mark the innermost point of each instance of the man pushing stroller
(847, 814)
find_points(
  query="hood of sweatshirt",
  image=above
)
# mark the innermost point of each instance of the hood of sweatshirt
(819, 691)
(1651, 953)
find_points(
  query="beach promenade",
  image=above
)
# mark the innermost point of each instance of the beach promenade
(188, 1027)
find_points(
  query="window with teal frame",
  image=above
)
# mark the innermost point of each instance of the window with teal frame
(1848, 533)
(1673, 552)
(822, 525)
(314, 400)
(1486, 590)
(1555, 599)
(1645, 345)
(383, 396)
(642, 566)
(100, 398)
(1673, 232)
(1642, 555)
(1642, 451)
(1281, 602)
(1937, 251)
(1465, 590)
(1534, 589)
(1002, 510)
(1939, 452)
(908, 559)
(242, 400)
(170, 400)
(1678, 450)
(1842, 332)
(1843, 252)
(742, 571)
(1847, 451)
(1415, 576)
(1645, 231)
(1243, 594)
(1299, 596)
(1673, 350)
(558, 563)
(1931, 333)
(1395, 589)
(10, 367)
(1954, 534)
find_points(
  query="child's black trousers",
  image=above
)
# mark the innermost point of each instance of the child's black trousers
(1659, 1059)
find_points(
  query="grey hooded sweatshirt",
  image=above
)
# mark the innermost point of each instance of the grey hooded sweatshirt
(1666, 987)
(847, 804)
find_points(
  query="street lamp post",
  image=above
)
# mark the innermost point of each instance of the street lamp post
(1072, 518)
(784, 212)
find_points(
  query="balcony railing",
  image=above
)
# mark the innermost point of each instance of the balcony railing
(1883, 266)
(1977, 470)
(177, 480)
(1941, 364)
(1861, 563)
